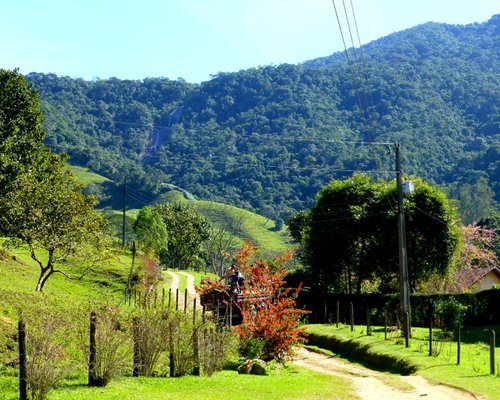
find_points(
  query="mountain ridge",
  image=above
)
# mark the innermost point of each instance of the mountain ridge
(268, 138)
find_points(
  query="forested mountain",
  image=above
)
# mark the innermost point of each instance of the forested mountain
(267, 139)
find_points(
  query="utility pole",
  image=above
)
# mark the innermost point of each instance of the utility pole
(403, 258)
(124, 209)
(129, 282)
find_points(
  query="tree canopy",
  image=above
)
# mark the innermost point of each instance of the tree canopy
(349, 237)
(151, 231)
(21, 132)
(58, 223)
(41, 202)
(187, 230)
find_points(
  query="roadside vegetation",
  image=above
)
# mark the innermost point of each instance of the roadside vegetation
(473, 373)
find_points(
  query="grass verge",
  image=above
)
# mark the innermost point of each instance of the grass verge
(282, 383)
(391, 355)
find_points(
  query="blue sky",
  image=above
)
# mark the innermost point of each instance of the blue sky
(194, 39)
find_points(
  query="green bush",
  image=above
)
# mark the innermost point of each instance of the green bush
(450, 314)
(251, 348)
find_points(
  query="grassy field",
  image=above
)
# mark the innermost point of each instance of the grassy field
(248, 225)
(18, 275)
(472, 374)
(86, 176)
(284, 383)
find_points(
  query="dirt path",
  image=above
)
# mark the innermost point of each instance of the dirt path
(191, 291)
(175, 280)
(190, 284)
(373, 385)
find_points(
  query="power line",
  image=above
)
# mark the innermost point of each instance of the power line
(138, 199)
(356, 61)
(363, 59)
(282, 166)
(348, 61)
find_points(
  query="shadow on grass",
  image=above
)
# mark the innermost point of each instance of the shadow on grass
(360, 353)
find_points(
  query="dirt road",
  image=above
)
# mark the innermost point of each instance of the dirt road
(191, 292)
(373, 385)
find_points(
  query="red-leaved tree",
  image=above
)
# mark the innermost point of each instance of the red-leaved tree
(267, 307)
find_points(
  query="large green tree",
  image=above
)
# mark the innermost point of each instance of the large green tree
(41, 203)
(350, 242)
(51, 215)
(151, 230)
(187, 230)
(21, 132)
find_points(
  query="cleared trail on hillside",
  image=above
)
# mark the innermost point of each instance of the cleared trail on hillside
(372, 385)
(191, 291)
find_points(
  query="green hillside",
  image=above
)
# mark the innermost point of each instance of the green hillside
(244, 224)
(250, 226)
(86, 176)
(268, 139)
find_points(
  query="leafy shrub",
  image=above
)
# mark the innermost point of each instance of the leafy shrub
(151, 332)
(181, 343)
(251, 348)
(449, 314)
(268, 309)
(47, 359)
(111, 342)
(217, 348)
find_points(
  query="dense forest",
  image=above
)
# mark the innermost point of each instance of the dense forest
(269, 138)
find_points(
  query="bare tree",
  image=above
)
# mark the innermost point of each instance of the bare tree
(223, 238)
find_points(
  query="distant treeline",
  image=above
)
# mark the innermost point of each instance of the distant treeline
(269, 138)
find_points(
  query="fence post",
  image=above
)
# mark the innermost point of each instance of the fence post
(23, 381)
(431, 310)
(407, 328)
(176, 299)
(169, 297)
(92, 350)
(368, 322)
(385, 324)
(352, 316)
(492, 352)
(459, 340)
(185, 300)
(137, 355)
(205, 345)
(196, 369)
(163, 296)
(172, 355)
(338, 313)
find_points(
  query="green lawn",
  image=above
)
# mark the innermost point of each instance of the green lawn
(472, 374)
(283, 383)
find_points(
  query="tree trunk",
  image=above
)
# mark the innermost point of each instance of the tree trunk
(45, 271)
(44, 275)
(349, 280)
